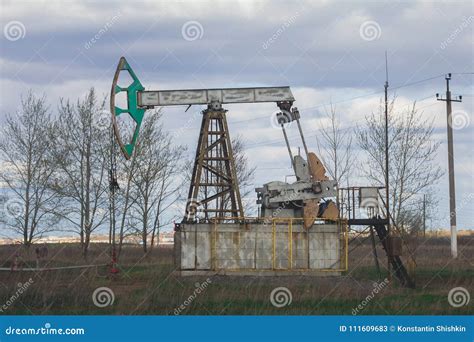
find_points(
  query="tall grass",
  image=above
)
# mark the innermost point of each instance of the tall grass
(147, 285)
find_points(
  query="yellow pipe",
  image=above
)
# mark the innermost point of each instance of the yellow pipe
(214, 247)
(290, 242)
(274, 242)
(346, 233)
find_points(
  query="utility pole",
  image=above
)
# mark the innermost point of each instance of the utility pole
(387, 195)
(452, 191)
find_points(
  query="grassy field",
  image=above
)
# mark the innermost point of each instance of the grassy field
(147, 285)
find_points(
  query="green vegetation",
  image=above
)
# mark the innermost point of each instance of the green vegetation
(147, 285)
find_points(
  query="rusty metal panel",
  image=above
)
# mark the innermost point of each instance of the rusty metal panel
(237, 96)
(273, 94)
(324, 247)
(264, 248)
(188, 250)
(227, 249)
(282, 259)
(246, 250)
(300, 250)
(203, 250)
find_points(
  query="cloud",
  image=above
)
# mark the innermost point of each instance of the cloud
(318, 51)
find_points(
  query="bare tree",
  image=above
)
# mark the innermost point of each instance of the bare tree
(335, 147)
(79, 151)
(154, 189)
(412, 153)
(245, 172)
(27, 170)
(125, 200)
(168, 193)
(418, 213)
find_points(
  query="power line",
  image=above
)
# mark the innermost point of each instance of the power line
(293, 137)
(343, 100)
(377, 92)
(417, 82)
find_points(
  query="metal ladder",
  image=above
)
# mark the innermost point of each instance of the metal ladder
(396, 262)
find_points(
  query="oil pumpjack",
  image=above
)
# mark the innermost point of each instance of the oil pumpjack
(298, 227)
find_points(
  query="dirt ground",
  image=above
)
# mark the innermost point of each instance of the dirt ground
(146, 285)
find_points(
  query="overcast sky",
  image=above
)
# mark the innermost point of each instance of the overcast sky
(327, 51)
